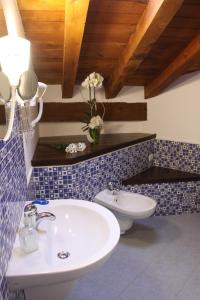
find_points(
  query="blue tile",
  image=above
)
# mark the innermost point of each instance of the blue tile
(13, 191)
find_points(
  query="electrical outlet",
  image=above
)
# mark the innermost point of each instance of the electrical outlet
(151, 157)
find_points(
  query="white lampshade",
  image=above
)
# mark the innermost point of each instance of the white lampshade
(14, 57)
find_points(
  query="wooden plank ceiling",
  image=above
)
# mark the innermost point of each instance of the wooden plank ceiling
(130, 42)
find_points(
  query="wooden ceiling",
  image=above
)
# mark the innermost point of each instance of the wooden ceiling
(130, 42)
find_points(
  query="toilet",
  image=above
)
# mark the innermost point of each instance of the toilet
(126, 206)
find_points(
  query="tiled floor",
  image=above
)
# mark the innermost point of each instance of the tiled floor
(159, 259)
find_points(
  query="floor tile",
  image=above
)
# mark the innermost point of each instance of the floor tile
(147, 287)
(188, 225)
(158, 259)
(121, 269)
(191, 290)
(89, 290)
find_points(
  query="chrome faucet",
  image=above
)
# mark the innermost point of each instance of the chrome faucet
(112, 189)
(30, 210)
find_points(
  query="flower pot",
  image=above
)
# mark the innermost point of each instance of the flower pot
(93, 136)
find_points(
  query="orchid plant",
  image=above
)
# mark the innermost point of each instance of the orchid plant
(93, 121)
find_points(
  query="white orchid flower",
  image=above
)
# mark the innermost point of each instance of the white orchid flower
(95, 122)
(94, 80)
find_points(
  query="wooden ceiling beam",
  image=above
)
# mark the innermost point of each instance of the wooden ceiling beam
(75, 19)
(177, 68)
(153, 22)
(74, 111)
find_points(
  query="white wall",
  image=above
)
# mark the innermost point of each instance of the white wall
(128, 94)
(173, 115)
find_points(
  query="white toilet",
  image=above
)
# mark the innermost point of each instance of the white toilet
(126, 206)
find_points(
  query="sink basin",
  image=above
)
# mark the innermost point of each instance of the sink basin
(85, 231)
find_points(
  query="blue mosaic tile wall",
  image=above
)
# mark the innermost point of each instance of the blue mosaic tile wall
(12, 196)
(176, 155)
(172, 198)
(84, 180)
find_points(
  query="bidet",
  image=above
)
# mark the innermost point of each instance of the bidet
(126, 206)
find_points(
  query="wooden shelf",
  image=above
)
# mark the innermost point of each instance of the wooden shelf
(161, 175)
(47, 154)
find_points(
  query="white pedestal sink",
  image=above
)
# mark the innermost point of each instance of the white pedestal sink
(84, 231)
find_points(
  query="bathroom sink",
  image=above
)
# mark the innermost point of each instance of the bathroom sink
(84, 235)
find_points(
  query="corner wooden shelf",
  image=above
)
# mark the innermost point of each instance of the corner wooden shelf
(161, 175)
(47, 154)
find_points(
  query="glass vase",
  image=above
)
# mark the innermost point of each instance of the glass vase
(94, 135)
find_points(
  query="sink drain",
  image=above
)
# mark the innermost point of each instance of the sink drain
(63, 254)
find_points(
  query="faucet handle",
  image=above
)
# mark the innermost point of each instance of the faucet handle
(113, 185)
(40, 201)
(110, 186)
(30, 210)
